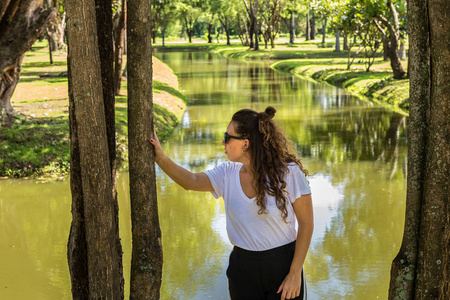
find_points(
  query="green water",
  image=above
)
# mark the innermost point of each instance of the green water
(354, 150)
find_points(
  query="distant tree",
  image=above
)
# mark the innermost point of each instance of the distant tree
(94, 250)
(421, 269)
(253, 8)
(119, 47)
(271, 20)
(386, 18)
(22, 22)
(146, 256)
(226, 11)
(189, 12)
(167, 12)
(56, 29)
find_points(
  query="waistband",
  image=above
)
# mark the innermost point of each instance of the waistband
(285, 249)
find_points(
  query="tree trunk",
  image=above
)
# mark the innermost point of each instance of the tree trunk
(118, 53)
(394, 36)
(421, 269)
(93, 189)
(324, 29)
(402, 51)
(313, 25)
(345, 46)
(106, 51)
(256, 32)
(21, 23)
(146, 261)
(292, 28)
(308, 28)
(337, 47)
(386, 46)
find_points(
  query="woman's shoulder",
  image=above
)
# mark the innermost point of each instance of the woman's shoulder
(294, 169)
(229, 166)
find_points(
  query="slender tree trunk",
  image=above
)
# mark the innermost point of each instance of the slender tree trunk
(308, 28)
(118, 53)
(421, 270)
(292, 28)
(50, 55)
(313, 25)
(91, 154)
(324, 29)
(345, 46)
(256, 32)
(146, 261)
(337, 47)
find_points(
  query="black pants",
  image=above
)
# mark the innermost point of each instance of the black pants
(257, 275)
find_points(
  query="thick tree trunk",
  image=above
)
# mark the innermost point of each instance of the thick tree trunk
(77, 245)
(421, 269)
(106, 51)
(91, 154)
(146, 261)
(118, 53)
(21, 23)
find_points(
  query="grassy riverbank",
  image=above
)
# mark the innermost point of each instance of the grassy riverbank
(312, 59)
(36, 142)
(318, 61)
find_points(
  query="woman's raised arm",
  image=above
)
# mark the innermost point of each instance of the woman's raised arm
(185, 178)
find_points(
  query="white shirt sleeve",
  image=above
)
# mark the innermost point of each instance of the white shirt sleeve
(217, 178)
(297, 185)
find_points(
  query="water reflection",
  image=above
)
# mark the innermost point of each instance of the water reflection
(355, 152)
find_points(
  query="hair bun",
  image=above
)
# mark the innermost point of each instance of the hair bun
(270, 112)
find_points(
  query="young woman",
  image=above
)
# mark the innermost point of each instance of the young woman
(265, 191)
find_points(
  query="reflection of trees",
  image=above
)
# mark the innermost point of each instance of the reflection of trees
(351, 134)
(390, 146)
(353, 258)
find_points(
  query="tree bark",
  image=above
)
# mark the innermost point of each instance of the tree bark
(93, 184)
(421, 269)
(146, 261)
(21, 23)
(106, 51)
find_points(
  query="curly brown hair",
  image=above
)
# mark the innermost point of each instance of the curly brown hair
(271, 152)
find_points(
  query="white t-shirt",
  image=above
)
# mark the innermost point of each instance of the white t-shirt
(245, 227)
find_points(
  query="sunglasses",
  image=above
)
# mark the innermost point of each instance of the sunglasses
(227, 137)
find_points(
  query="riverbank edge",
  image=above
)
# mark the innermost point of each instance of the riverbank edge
(169, 105)
(379, 87)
